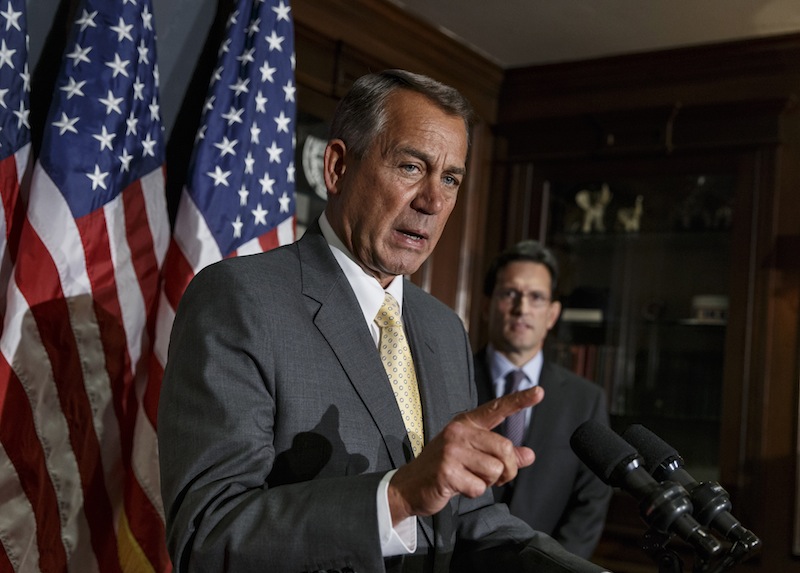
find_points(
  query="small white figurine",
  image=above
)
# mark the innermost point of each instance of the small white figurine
(630, 217)
(594, 207)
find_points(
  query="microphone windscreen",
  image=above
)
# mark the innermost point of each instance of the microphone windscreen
(601, 449)
(653, 449)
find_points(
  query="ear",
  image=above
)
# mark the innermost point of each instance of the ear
(334, 165)
(553, 312)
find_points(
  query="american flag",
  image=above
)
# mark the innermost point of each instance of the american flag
(239, 198)
(15, 135)
(79, 486)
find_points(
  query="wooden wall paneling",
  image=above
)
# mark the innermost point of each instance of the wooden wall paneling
(387, 33)
(726, 72)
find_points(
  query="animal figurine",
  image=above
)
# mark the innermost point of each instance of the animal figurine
(593, 204)
(630, 217)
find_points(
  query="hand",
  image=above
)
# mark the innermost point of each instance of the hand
(465, 458)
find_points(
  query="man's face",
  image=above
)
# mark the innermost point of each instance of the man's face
(390, 207)
(520, 312)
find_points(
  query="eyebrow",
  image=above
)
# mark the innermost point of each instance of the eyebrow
(426, 158)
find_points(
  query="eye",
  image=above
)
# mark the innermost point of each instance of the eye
(451, 181)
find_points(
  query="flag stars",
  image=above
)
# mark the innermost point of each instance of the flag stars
(284, 201)
(125, 161)
(12, 18)
(267, 184)
(247, 56)
(267, 73)
(143, 52)
(243, 195)
(26, 78)
(226, 146)
(155, 110)
(66, 124)
(290, 172)
(138, 89)
(255, 131)
(274, 153)
(5, 55)
(283, 122)
(73, 88)
(147, 18)
(79, 55)
(289, 90)
(282, 11)
(131, 124)
(219, 176)
(274, 41)
(111, 103)
(3, 92)
(123, 30)
(118, 66)
(237, 227)
(105, 138)
(261, 103)
(87, 20)
(233, 116)
(98, 178)
(249, 162)
(22, 116)
(253, 28)
(148, 146)
(260, 215)
(240, 86)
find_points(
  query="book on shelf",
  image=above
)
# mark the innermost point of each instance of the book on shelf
(590, 315)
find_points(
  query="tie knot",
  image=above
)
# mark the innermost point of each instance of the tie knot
(389, 314)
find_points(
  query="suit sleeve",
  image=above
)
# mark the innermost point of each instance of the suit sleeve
(217, 419)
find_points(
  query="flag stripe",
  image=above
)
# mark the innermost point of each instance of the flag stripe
(24, 458)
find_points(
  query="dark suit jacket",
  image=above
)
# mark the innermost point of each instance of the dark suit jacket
(276, 423)
(558, 494)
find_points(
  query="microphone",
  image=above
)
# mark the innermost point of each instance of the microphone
(710, 500)
(665, 507)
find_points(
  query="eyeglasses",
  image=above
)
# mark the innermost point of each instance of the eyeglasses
(514, 297)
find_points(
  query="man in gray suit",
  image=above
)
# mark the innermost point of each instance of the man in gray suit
(282, 446)
(558, 494)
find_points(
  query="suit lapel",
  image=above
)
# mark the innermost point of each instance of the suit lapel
(431, 381)
(340, 321)
(545, 413)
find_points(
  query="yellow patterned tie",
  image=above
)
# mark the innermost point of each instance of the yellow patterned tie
(396, 358)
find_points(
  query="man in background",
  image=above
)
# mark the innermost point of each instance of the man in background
(558, 494)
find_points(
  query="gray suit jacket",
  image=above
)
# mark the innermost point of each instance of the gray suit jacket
(276, 424)
(558, 494)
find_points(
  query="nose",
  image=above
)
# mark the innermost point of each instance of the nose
(429, 198)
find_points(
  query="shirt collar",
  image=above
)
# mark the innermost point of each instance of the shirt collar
(367, 289)
(500, 366)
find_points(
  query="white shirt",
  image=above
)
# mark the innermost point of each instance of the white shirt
(369, 293)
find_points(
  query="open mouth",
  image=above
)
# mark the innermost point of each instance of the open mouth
(412, 235)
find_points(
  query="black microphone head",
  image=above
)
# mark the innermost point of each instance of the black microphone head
(601, 449)
(655, 451)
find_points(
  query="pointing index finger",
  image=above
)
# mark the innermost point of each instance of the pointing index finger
(491, 413)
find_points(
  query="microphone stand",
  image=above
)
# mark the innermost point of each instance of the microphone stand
(654, 543)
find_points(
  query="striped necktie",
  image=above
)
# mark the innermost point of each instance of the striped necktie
(514, 425)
